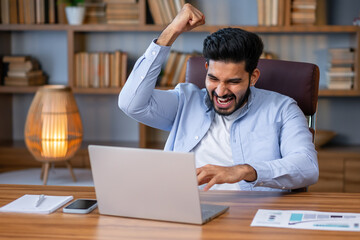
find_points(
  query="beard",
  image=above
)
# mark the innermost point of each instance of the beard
(238, 105)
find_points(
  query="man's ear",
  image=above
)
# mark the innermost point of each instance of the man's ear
(254, 77)
(206, 65)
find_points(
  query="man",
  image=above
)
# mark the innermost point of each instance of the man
(243, 138)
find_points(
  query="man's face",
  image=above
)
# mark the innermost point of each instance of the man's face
(227, 84)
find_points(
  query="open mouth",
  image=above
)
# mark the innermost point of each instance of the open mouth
(223, 102)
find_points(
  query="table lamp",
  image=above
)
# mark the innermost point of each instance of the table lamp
(53, 129)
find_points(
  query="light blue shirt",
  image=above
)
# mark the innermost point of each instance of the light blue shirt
(270, 133)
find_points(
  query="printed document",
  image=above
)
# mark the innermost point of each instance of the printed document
(307, 220)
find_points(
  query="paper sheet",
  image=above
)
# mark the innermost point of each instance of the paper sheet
(307, 220)
(27, 204)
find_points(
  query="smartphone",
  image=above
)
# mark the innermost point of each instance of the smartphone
(81, 206)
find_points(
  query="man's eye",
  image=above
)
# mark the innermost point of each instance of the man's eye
(235, 82)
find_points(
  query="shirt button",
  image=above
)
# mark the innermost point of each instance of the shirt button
(153, 52)
(142, 77)
(196, 137)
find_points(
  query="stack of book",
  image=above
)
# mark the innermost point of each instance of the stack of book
(341, 71)
(175, 69)
(95, 12)
(272, 12)
(291, 12)
(23, 71)
(303, 12)
(29, 11)
(100, 69)
(122, 12)
(164, 11)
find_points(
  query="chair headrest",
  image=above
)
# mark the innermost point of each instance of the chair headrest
(297, 80)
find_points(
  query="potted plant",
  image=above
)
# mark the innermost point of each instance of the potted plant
(75, 11)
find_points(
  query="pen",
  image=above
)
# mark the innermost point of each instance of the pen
(40, 200)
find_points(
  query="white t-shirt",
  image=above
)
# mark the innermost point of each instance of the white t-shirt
(215, 148)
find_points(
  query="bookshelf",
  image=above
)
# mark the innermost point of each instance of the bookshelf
(77, 38)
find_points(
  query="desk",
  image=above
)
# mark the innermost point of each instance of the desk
(235, 224)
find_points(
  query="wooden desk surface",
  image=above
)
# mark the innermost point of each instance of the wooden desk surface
(234, 224)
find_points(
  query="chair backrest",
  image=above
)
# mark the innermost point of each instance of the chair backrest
(297, 80)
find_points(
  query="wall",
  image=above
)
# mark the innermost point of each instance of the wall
(103, 121)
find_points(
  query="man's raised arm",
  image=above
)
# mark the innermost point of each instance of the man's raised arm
(138, 98)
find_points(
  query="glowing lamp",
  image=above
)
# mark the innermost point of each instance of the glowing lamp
(53, 129)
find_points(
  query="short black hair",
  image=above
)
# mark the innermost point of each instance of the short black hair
(234, 45)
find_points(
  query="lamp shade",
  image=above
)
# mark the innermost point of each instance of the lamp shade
(53, 129)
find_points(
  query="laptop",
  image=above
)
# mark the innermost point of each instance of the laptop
(149, 184)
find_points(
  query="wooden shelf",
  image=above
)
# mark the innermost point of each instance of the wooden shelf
(338, 93)
(158, 28)
(21, 90)
(113, 91)
(12, 89)
(96, 90)
(34, 27)
(339, 149)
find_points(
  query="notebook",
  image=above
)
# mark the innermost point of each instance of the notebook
(149, 184)
(28, 204)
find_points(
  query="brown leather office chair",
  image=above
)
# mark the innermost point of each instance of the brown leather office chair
(297, 80)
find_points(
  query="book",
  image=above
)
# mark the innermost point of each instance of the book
(169, 68)
(77, 70)
(182, 75)
(24, 66)
(27, 204)
(155, 10)
(40, 14)
(167, 11)
(13, 12)
(179, 65)
(21, 13)
(11, 59)
(61, 12)
(5, 11)
(173, 9)
(106, 57)
(341, 69)
(95, 12)
(85, 69)
(123, 73)
(94, 80)
(341, 74)
(117, 68)
(29, 11)
(261, 12)
(267, 7)
(34, 73)
(274, 12)
(25, 81)
(52, 11)
(112, 70)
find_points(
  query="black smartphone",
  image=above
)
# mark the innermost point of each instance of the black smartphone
(81, 206)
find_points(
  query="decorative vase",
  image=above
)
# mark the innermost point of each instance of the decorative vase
(75, 15)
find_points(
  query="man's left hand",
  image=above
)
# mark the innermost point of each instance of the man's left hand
(212, 174)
